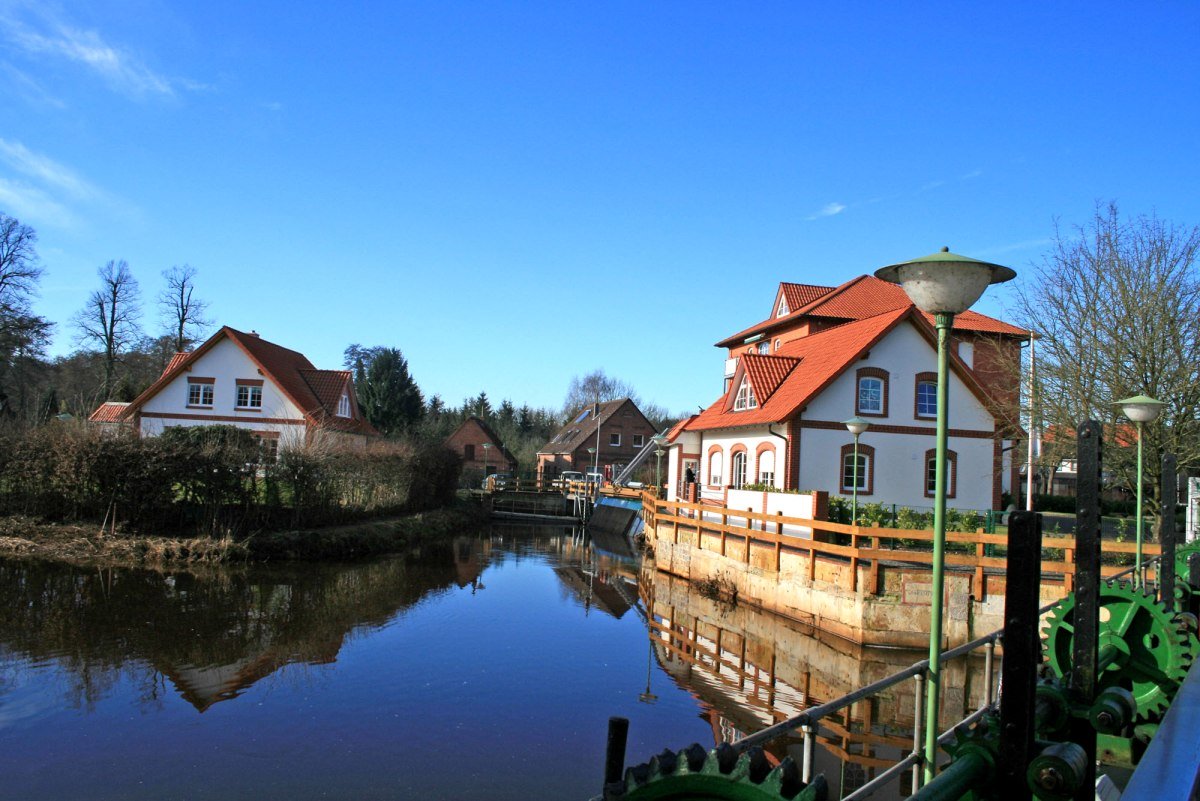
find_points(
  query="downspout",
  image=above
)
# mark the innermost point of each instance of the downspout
(786, 454)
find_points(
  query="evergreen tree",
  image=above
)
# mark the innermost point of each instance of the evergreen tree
(387, 394)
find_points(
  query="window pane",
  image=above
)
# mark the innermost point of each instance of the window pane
(870, 395)
(931, 475)
(848, 474)
(927, 399)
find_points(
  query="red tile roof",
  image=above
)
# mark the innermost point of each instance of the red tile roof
(176, 359)
(767, 373)
(108, 412)
(822, 357)
(290, 370)
(860, 298)
(798, 295)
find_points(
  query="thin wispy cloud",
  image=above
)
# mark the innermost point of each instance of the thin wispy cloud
(831, 209)
(828, 210)
(29, 89)
(46, 171)
(41, 190)
(42, 33)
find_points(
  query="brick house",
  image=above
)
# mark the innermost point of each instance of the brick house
(468, 442)
(623, 431)
(860, 349)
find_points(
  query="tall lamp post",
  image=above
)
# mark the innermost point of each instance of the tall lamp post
(659, 441)
(1140, 409)
(487, 446)
(942, 284)
(856, 426)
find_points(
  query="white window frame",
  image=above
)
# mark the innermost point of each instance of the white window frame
(253, 396)
(639, 440)
(714, 469)
(203, 391)
(745, 396)
(863, 383)
(766, 468)
(933, 386)
(864, 472)
(614, 437)
(783, 310)
(737, 470)
(344, 405)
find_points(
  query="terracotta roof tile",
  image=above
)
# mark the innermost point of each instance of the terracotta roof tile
(798, 295)
(767, 373)
(108, 412)
(821, 358)
(860, 298)
(176, 360)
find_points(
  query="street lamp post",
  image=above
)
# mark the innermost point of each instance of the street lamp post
(856, 426)
(942, 284)
(659, 441)
(1140, 409)
(487, 446)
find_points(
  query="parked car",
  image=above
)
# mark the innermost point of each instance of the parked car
(568, 477)
(497, 481)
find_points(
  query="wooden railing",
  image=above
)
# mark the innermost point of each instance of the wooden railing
(864, 546)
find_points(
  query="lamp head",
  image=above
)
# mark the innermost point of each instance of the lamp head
(945, 282)
(1140, 408)
(856, 425)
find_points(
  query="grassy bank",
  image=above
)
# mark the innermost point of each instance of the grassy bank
(23, 537)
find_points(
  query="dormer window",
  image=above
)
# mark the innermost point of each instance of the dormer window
(745, 396)
(783, 309)
(344, 405)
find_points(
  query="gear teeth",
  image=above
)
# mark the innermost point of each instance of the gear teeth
(665, 763)
(727, 758)
(695, 756)
(757, 766)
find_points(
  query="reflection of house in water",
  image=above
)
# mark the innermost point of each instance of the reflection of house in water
(752, 669)
(596, 589)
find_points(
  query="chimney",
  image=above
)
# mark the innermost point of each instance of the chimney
(253, 333)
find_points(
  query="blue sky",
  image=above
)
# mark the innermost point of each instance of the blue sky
(515, 193)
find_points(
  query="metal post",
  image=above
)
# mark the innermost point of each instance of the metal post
(1139, 579)
(809, 749)
(943, 322)
(1166, 530)
(1022, 650)
(918, 734)
(854, 501)
(989, 666)
(614, 753)
(1032, 429)
(1087, 593)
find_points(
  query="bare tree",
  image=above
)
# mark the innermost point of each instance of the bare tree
(596, 386)
(23, 335)
(109, 321)
(1117, 308)
(181, 311)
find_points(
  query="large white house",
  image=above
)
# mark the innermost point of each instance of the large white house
(240, 379)
(826, 354)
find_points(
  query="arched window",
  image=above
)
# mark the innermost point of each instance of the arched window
(926, 393)
(714, 469)
(872, 392)
(766, 467)
(865, 473)
(931, 473)
(737, 478)
(745, 396)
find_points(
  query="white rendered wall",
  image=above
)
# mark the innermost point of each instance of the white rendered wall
(225, 363)
(899, 458)
(751, 438)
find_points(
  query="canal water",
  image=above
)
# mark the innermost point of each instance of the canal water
(483, 667)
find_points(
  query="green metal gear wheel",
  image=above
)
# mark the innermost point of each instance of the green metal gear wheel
(1182, 553)
(720, 775)
(1144, 646)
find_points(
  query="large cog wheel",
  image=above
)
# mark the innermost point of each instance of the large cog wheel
(722, 774)
(1150, 648)
(1182, 554)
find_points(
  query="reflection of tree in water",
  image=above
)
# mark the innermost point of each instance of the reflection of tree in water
(212, 635)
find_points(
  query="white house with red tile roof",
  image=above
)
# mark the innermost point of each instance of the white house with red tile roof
(240, 379)
(826, 354)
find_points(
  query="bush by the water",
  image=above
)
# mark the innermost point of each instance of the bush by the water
(211, 480)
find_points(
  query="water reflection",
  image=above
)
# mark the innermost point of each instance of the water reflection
(752, 669)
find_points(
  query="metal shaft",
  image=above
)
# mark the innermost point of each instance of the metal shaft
(933, 691)
(1137, 573)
